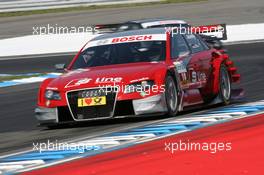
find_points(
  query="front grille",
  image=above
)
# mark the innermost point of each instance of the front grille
(85, 112)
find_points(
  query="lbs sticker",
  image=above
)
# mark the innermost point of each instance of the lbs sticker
(180, 66)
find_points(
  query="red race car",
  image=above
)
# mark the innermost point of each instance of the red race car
(137, 73)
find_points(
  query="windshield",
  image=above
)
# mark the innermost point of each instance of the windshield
(132, 52)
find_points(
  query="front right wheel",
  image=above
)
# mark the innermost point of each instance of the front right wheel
(171, 96)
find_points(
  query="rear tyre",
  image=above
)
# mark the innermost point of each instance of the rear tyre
(224, 85)
(171, 96)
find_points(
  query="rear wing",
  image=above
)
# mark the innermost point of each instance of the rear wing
(215, 31)
(106, 28)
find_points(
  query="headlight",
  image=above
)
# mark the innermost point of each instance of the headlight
(52, 95)
(139, 86)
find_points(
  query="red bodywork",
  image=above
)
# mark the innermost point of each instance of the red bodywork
(205, 64)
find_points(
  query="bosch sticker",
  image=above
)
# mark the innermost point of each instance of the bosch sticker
(132, 38)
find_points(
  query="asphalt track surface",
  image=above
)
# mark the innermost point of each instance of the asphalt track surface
(18, 127)
(204, 12)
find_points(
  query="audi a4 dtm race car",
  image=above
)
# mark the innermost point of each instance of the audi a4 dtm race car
(137, 73)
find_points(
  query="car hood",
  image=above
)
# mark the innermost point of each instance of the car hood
(106, 75)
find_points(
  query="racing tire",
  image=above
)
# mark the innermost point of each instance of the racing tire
(171, 96)
(224, 85)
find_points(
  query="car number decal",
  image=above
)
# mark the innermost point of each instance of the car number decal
(180, 66)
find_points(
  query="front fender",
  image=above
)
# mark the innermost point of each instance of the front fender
(216, 64)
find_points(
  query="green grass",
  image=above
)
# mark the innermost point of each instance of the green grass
(16, 77)
(92, 7)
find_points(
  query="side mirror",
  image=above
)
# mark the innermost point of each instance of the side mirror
(225, 50)
(60, 66)
(218, 45)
